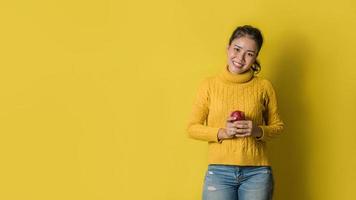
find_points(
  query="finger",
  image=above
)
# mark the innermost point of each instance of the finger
(235, 125)
(230, 124)
(241, 135)
(230, 119)
(244, 130)
(242, 126)
(231, 131)
(241, 122)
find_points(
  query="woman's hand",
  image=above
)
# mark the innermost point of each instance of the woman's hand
(241, 128)
(229, 131)
(247, 128)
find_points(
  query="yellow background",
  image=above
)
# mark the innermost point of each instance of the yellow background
(95, 95)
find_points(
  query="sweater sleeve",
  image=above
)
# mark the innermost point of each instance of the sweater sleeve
(197, 124)
(273, 124)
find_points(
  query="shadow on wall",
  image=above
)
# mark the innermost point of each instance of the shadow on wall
(289, 153)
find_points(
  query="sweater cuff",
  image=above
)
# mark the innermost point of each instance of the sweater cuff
(263, 133)
(213, 134)
(217, 136)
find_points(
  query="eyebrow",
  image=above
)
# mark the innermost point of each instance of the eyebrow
(242, 48)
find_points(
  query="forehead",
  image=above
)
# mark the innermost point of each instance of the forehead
(245, 42)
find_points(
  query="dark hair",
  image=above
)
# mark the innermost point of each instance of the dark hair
(253, 33)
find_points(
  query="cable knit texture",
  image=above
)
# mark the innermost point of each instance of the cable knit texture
(216, 98)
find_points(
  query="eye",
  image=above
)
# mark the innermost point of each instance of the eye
(250, 54)
(237, 49)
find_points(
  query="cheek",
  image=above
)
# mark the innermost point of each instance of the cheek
(230, 53)
(251, 60)
(230, 56)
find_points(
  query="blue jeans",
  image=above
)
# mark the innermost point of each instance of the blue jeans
(230, 182)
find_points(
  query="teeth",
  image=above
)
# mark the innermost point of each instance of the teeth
(237, 64)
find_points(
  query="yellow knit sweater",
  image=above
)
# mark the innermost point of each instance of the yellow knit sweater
(216, 98)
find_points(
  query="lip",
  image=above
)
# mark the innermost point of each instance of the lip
(237, 64)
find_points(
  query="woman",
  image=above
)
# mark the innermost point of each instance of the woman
(238, 164)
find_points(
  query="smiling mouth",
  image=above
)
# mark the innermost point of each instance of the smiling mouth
(237, 64)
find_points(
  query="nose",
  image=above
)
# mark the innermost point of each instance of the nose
(240, 56)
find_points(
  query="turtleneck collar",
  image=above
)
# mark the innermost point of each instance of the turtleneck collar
(229, 77)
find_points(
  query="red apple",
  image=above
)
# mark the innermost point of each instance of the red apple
(237, 115)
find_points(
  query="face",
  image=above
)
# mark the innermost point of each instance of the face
(241, 54)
